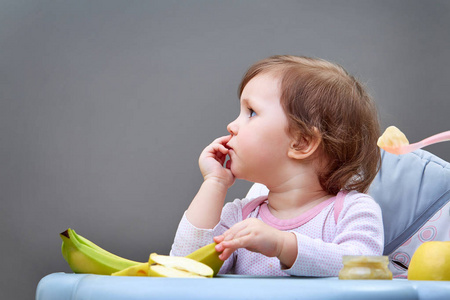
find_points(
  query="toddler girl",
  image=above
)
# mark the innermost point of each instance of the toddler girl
(308, 131)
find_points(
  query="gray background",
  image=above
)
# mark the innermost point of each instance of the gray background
(106, 105)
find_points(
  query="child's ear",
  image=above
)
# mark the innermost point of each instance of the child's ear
(303, 147)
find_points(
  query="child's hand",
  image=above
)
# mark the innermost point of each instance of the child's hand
(254, 235)
(212, 159)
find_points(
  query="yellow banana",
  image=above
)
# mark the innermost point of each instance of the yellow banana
(209, 256)
(84, 256)
(136, 270)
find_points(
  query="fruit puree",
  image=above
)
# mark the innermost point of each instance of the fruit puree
(365, 267)
(392, 138)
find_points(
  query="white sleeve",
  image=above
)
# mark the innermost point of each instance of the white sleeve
(189, 238)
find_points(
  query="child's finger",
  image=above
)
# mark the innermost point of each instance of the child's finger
(240, 241)
(219, 247)
(235, 229)
(218, 239)
(218, 150)
(222, 150)
(222, 140)
(226, 254)
(237, 239)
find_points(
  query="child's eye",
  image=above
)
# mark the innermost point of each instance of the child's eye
(252, 112)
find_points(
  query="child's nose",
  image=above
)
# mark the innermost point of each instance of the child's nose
(232, 128)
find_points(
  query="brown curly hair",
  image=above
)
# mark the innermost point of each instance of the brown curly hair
(322, 100)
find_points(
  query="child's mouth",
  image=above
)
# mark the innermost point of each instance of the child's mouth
(228, 164)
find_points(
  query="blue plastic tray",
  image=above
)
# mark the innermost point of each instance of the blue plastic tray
(63, 286)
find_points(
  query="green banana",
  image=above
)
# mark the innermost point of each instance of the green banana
(88, 243)
(84, 256)
(209, 256)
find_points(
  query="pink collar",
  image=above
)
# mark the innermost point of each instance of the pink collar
(287, 224)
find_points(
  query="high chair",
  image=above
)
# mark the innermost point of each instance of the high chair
(413, 191)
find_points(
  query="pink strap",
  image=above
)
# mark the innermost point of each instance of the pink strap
(338, 204)
(249, 207)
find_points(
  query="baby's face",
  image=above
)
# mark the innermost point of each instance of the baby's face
(260, 140)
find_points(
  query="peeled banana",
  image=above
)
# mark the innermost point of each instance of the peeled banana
(176, 266)
(83, 256)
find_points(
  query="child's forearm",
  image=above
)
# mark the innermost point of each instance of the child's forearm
(206, 207)
(289, 250)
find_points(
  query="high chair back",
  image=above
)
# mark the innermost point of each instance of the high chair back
(413, 191)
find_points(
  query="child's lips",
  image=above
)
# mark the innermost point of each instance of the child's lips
(228, 164)
(230, 150)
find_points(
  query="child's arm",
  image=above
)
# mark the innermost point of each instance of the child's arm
(205, 209)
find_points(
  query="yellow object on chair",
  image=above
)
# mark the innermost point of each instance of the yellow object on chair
(431, 261)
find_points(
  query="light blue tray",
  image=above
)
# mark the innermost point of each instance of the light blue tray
(63, 286)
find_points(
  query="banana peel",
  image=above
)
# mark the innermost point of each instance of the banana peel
(140, 269)
(83, 256)
(209, 256)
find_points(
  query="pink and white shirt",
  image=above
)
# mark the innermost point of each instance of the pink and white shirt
(347, 224)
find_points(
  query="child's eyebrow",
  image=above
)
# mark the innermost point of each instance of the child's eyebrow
(245, 101)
